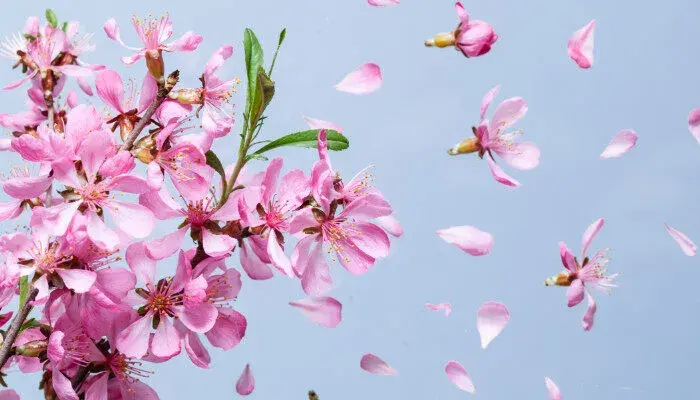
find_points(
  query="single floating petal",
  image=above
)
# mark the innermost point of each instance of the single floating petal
(554, 393)
(324, 311)
(442, 306)
(694, 123)
(321, 124)
(491, 319)
(246, 382)
(687, 245)
(581, 46)
(367, 78)
(623, 142)
(459, 376)
(382, 3)
(468, 238)
(375, 365)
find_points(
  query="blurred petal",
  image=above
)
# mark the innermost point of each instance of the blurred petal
(382, 3)
(590, 313)
(468, 238)
(623, 142)
(694, 123)
(574, 294)
(390, 224)
(581, 46)
(459, 376)
(488, 98)
(367, 78)
(375, 365)
(589, 235)
(554, 393)
(246, 382)
(491, 318)
(324, 311)
(321, 124)
(442, 306)
(687, 245)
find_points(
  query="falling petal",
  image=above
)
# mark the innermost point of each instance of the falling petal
(554, 393)
(468, 238)
(367, 78)
(491, 319)
(382, 3)
(623, 142)
(442, 306)
(375, 365)
(321, 124)
(459, 376)
(694, 123)
(246, 382)
(687, 245)
(581, 46)
(324, 311)
(589, 234)
(589, 316)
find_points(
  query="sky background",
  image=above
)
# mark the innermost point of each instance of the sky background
(645, 344)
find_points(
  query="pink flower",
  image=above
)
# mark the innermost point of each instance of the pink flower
(590, 272)
(111, 90)
(213, 96)
(153, 34)
(99, 155)
(472, 38)
(25, 190)
(492, 138)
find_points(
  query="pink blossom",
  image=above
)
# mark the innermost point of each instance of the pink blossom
(25, 189)
(111, 91)
(492, 138)
(591, 272)
(473, 38)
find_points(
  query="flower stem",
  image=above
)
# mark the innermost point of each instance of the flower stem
(13, 332)
(164, 89)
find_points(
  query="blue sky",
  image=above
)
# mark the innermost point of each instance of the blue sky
(645, 342)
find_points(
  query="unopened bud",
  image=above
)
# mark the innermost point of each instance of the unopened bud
(470, 145)
(32, 349)
(154, 62)
(188, 96)
(441, 40)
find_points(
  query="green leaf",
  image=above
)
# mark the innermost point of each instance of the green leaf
(258, 103)
(268, 87)
(51, 18)
(29, 37)
(253, 61)
(214, 162)
(23, 290)
(283, 34)
(64, 27)
(255, 157)
(309, 139)
(30, 323)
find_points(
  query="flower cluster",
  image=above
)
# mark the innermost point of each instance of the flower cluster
(96, 184)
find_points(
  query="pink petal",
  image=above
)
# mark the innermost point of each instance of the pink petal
(133, 340)
(217, 245)
(166, 342)
(462, 14)
(143, 266)
(8, 394)
(309, 261)
(375, 365)
(217, 59)
(28, 187)
(507, 114)
(694, 123)
(200, 318)
(623, 142)
(367, 78)
(589, 234)
(590, 313)
(196, 350)
(324, 311)
(459, 376)
(382, 3)
(19, 82)
(580, 46)
(499, 175)
(468, 238)
(321, 124)
(104, 237)
(161, 204)
(111, 28)
(246, 383)
(110, 89)
(79, 280)
(252, 264)
(523, 155)
(97, 388)
(567, 257)
(62, 386)
(149, 90)
(491, 318)
(441, 306)
(554, 393)
(575, 292)
(229, 329)
(390, 224)
(368, 206)
(488, 98)
(277, 256)
(687, 245)
(187, 42)
(134, 219)
(11, 210)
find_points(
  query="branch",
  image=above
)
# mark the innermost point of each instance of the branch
(80, 375)
(13, 332)
(163, 91)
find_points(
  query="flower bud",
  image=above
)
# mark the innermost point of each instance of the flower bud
(475, 39)
(562, 279)
(32, 349)
(154, 62)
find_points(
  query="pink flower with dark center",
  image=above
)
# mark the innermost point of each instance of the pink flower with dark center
(590, 272)
(492, 138)
(110, 89)
(25, 189)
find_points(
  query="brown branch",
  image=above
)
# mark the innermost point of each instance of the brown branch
(13, 332)
(163, 91)
(80, 375)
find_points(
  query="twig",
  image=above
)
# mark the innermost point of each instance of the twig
(79, 377)
(163, 91)
(17, 322)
